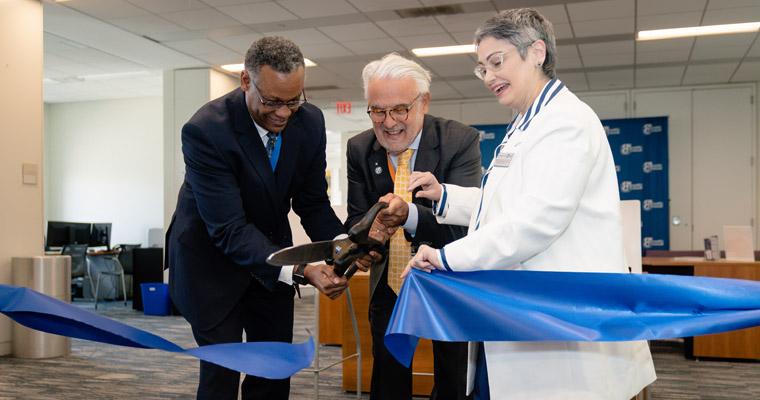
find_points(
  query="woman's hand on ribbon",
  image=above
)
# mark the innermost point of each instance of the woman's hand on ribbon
(429, 187)
(426, 259)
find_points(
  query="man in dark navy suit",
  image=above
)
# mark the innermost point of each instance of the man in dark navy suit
(249, 155)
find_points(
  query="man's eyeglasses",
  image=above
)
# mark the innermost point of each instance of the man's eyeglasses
(398, 113)
(293, 105)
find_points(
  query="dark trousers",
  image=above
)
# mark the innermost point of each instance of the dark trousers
(393, 381)
(264, 316)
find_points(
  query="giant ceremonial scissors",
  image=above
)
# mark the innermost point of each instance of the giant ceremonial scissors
(340, 253)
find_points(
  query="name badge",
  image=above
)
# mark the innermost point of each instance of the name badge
(503, 160)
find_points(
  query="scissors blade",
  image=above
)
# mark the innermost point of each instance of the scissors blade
(302, 254)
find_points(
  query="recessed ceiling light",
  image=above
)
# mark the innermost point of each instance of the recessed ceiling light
(698, 31)
(239, 67)
(443, 50)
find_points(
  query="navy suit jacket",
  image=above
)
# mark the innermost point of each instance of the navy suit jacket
(232, 210)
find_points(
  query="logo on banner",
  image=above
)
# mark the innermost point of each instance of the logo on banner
(652, 242)
(628, 148)
(487, 135)
(628, 186)
(649, 166)
(649, 129)
(611, 131)
(650, 204)
(617, 168)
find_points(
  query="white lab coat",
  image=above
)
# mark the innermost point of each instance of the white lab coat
(555, 207)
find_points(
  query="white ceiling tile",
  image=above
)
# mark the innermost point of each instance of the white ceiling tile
(568, 63)
(615, 79)
(374, 46)
(594, 10)
(471, 88)
(239, 43)
(146, 24)
(105, 9)
(576, 81)
(563, 31)
(360, 31)
(722, 46)
(755, 50)
(164, 6)
(440, 90)
(411, 42)
(714, 5)
(748, 71)
(321, 8)
(664, 21)
(303, 36)
(222, 57)
(658, 7)
(602, 27)
(567, 52)
(220, 3)
(710, 73)
(316, 52)
(446, 2)
(664, 45)
(319, 76)
(450, 66)
(196, 47)
(374, 5)
(465, 37)
(714, 53)
(556, 13)
(660, 76)
(662, 56)
(258, 13)
(740, 39)
(464, 22)
(206, 18)
(411, 26)
(351, 70)
(607, 60)
(732, 15)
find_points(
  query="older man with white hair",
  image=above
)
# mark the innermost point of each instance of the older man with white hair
(403, 139)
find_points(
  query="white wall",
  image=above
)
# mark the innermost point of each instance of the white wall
(104, 163)
(20, 139)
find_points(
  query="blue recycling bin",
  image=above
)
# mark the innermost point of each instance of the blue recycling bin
(155, 297)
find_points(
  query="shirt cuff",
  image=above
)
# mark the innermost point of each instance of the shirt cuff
(286, 274)
(442, 257)
(439, 207)
(412, 219)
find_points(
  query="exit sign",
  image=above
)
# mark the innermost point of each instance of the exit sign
(343, 107)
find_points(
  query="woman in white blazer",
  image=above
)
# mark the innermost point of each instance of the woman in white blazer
(548, 202)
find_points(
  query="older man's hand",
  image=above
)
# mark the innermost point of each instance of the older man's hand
(396, 213)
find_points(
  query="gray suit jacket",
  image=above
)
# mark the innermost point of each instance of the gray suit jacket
(448, 149)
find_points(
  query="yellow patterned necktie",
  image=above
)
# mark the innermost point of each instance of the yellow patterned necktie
(401, 250)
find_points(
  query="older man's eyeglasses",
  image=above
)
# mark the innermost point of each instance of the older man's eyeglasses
(398, 113)
(293, 105)
(494, 62)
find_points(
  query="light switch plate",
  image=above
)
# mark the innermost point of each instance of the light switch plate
(29, 173)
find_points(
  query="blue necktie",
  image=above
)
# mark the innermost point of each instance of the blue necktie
(272, 139)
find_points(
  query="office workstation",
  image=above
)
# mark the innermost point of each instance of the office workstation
(96, 157)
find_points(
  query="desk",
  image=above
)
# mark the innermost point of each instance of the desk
(741, 344)
(422, 365)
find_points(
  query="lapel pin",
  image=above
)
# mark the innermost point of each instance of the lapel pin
(378, 170)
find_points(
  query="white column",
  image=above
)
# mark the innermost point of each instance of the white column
(185, 91)
(21, 226)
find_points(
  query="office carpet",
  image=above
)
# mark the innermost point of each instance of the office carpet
(95, 371)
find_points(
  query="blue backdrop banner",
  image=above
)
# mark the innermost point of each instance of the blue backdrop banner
(271, 360)
(490, 137)
(640, 149)
(565, 306)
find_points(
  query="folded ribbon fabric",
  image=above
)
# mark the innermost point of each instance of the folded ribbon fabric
(273, 360)
(565, 306)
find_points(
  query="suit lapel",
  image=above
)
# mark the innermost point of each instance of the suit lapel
(286, 164)
(378, 169)
(250, 142)
(427, 153)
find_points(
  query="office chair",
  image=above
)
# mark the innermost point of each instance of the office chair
(79, 270)
(117, 271)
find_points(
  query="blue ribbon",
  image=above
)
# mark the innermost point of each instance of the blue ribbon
(565, 306)
(272, 360)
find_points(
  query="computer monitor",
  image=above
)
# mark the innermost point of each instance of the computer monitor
(60, 234)
(101, 235)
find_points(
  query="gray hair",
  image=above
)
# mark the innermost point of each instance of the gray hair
(521, 27)
(279, 53)
(393, 66)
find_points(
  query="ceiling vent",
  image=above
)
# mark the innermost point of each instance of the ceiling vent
(433, 11)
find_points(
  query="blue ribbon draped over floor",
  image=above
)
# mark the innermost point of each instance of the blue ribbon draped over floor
(565, 306)
(271, 360)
